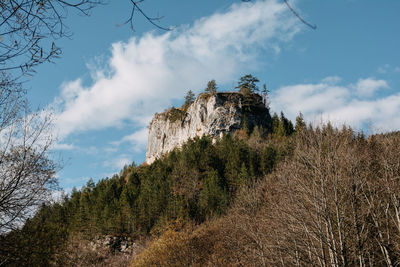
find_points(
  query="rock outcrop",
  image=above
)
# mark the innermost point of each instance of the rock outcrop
(211, 115)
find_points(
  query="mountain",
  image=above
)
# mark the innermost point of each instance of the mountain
(210, 115)
(229, 186)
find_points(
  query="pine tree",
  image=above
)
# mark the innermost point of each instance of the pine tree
(275, 123)
(213, 198)
(285, 127)
(247, 84)
(268, 159)
(243, 175)
(211, 87)
(300, 123)
(265, 95)
(189, 99)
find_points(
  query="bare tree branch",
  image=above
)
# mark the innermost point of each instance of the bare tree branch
(153, 20)
(314, 27)
(27, 174)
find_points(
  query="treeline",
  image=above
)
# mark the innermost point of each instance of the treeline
(192, 184)
(296, 196)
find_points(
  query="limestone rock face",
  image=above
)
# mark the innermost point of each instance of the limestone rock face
(207, 115)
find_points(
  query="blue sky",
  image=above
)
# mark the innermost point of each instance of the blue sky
(110, 80)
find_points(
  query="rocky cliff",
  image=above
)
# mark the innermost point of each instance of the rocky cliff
(211, 115)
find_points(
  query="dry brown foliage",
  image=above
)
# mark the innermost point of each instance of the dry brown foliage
(80, 251)
(334, 202)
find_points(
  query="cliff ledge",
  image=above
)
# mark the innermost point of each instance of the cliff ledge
(211, 115)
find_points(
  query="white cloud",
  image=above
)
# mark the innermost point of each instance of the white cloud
(309, 98)
(146, 74)
(388, 69)
(138, 139)
(384, 69)
(367, 87)
(88, 150)
(119, 162)
(340, 104)
(331, 79)
(62, 146)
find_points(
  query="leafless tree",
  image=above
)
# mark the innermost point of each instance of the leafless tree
(27, 174)
(30, 28)
(338, 200)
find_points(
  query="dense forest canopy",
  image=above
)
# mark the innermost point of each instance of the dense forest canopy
(280, 195)
(265, 197)
(193, 184)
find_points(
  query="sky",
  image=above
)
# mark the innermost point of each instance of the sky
(110, 80)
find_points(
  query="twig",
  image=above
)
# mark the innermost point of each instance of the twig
(314, 27)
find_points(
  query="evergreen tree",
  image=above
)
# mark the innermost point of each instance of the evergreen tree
(285, 127)
(264, 90)
(89, 185)
(243, 175)
(213, 198)
(300, 123)
(275, 123)
(245, 124)
(189, 99)
(211, 87)
(265, 95)
(268, 159)
(247, 84)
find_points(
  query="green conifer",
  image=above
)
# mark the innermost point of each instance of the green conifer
(300, 123)
(247, 84)
(211, 87)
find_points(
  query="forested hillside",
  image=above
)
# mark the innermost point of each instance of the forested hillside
(262, 197)
(332, 201)
(192, 184)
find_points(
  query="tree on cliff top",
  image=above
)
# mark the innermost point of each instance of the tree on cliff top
(211, 87)
(189, 99)
(247, 84)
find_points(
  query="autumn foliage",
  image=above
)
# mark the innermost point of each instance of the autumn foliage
(293, 196)
(333, 202)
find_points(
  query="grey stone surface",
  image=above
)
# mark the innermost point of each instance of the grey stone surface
(208, 115)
